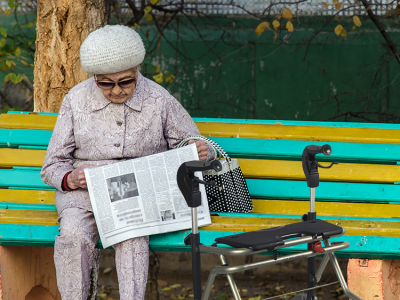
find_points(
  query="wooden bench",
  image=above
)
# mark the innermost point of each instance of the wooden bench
(359, 194)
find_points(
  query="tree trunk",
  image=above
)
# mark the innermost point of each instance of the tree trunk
(62, 26)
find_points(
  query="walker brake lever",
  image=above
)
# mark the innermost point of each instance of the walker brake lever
(325, 167)
(212, 183)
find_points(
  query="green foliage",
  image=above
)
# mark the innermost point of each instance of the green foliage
(16, 46)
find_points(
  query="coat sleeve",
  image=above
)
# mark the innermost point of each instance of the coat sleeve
(179, 125)
(59, 157)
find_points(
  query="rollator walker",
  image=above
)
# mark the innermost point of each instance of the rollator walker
(310, 231)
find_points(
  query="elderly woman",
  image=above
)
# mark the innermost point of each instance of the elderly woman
(118, 114)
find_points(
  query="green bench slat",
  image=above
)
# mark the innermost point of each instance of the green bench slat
(259, 188)
(11, 112)
(360, 246)
(292, 150)
(300, 123)
(16, 137)
(331, 191)
(21, 178)
(26, 206)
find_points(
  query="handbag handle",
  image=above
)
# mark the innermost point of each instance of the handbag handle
(214, 145)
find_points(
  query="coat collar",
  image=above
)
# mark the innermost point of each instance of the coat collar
(135, 102)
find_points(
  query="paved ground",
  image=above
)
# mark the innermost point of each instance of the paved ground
(174, 280)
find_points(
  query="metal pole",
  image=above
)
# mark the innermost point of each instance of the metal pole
(196, 263)
(230, 278)
(312, 263)
(312, 199)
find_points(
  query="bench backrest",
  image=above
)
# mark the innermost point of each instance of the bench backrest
(361, 192)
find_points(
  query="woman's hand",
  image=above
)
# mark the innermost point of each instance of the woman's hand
(202, 149)
(76, 179)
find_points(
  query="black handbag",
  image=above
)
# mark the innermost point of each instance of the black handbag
(231, 193)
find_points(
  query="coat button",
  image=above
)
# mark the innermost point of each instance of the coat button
(117, 145)
(119, 123)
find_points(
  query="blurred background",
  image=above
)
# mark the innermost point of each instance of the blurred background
(259, 59)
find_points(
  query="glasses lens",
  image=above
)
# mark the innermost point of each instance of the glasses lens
(126, 83)
(105, 85)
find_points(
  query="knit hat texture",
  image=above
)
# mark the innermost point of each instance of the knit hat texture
(111, 49)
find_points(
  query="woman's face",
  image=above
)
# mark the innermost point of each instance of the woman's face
(117, 94)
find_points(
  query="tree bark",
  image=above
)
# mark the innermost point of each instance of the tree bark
(62, 26)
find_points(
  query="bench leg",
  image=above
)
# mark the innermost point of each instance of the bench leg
(374, 278)
(28, 273)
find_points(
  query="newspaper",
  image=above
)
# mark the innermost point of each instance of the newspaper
(140, 197)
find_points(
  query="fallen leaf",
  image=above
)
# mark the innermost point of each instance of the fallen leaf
(186, 289)
(166, 289)
(175, 286)
(255, 298)
(191, 296)
(107, 270)
(172, 297)
(162, 283)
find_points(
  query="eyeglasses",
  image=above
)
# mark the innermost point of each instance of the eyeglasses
(109, 85)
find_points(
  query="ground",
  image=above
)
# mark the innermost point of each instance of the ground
(174, 280)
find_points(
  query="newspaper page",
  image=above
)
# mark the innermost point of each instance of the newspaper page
(140, 196)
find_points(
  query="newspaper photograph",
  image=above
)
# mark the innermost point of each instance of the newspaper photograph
(140, 196)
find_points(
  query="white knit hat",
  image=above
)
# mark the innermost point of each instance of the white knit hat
(111, 49)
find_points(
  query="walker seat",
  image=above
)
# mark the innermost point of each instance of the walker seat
(269, 239)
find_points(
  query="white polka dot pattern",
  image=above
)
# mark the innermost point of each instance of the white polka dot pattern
(231, 194)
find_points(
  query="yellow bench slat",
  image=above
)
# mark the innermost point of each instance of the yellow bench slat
(303, 133)
(261, 131)
(29, 217)
(27, 196)
(367, 228)
(21, 157)
(37, 122)
(293, 170)
(362, 210)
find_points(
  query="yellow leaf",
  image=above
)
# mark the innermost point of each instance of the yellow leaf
(170, 78)
(149, 17)
(338, 29)
(2, 42)
(279, 17)
(175, 286)
(147, 9)
(157, 68)
(367, 8)
(182, 297)
(7, 12)
(287, 14)
(354, 27)
(275, 36)
(289, 26)
(344, 33)
(335, 1)
(18, 51)
(275, 24)
(191, 296)
(166, 289)
(159, 78)
(255, 298)
(24, 62)
(261, 27)
(4, 67)
(356, 21)
(154, 1)
(325, 4)
(338, 6)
